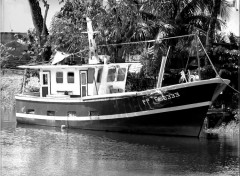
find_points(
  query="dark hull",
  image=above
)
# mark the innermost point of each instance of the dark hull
(176, 110)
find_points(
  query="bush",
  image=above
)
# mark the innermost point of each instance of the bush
(229, 129)
(10, 85)
(137, 82)
(33, 84)
(207, 72)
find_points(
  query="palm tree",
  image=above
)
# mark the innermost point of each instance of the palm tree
(216, 8)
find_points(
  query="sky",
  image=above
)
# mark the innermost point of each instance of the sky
(233, 23)
(16, 16)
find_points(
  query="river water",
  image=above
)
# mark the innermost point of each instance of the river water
(44, 151)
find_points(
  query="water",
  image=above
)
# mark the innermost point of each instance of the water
(43, 151)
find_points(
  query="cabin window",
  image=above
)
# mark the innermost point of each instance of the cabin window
(70, 77)
(50, 113)
(111, 75)
(121, 74)
(59, 77)
(83, 78)
(99, 75)
(45, 79)
(91, 72)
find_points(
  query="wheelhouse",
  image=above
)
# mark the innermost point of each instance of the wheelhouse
(81, 80)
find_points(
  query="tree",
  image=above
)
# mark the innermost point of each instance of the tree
(41, 29)
(4, 54)
(38, 20)
(69, 25)
(216, 8)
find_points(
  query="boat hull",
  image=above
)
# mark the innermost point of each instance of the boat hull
(175, 110)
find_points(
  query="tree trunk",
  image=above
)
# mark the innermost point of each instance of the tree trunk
(212, 24)
(40, 25)
(38, 20)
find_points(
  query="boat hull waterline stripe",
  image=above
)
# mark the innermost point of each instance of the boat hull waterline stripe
(115, 116)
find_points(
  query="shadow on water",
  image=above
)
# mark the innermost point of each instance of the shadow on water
(7, 115)
(39, 150)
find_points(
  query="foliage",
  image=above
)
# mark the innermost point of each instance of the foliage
(68, 25)
(230, 129)
(137, 82)
(216, 8)
(225, 57)
(33, 84)
(127, 21)
(9, 85)
(39, 21)
(35, 51)
(207, 72)
(43, 49)
(5, 53)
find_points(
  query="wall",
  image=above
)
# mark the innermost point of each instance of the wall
(9, 36)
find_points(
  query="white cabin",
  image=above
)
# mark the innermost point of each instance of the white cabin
(81, 80)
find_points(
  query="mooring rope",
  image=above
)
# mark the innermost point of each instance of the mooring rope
(215, 69)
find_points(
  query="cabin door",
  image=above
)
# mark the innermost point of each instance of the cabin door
(45, 84)
(83, 83)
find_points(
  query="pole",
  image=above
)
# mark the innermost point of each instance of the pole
(162, 68)
(198, 59)
(24, 81)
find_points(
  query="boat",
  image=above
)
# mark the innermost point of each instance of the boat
(93, 96)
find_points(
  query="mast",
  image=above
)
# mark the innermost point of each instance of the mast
(198, 59)
(93, 55)
(162, 68)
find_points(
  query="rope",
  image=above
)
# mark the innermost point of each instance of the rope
(148, 41)
(77, 52)
(215, 69)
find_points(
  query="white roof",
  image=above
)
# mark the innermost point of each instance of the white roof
(69, 66)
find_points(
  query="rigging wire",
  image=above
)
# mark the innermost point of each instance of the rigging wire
(215, 69)
(148, 41)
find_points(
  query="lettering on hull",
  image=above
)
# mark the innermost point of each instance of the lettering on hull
(159, 98)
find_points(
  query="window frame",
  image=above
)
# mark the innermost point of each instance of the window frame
(111, 77)
(122, 75)
(70, 79)
(57, 77)
(99, 75)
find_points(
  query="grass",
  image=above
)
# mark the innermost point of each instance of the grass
(229, 129)
(10, 85)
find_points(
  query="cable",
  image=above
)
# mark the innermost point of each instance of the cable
(148, 41)
(215, 69)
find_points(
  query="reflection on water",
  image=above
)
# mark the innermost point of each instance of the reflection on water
(42, 151)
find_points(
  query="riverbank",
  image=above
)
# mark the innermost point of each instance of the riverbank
(10, 85)
(222, 122)
(230, 129)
